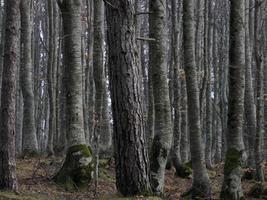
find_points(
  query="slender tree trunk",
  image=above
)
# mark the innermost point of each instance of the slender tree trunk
(249, 103)
(131, 157)
(8, 178)
(259, 94)
(163, 123)
(201, 184)
(29, 139)
(232, 189)
(52, 110)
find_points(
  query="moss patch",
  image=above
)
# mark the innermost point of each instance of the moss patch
(233, 160)
(184, 171)
(77, 170)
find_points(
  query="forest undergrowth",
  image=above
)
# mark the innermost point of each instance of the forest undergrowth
(35, 177)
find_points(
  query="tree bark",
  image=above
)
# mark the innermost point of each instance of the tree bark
(76, 171)
(201, 185)
(131, 157)
(29, 139)
(232, 189)
(163, 123)
(8, 178)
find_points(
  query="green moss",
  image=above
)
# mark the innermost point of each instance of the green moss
(77, 169)
(184, 171)
(233, 160)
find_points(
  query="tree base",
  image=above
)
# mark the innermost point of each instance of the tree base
(77, 170)
(198, 191)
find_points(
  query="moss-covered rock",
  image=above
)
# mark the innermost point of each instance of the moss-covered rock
(77, 170)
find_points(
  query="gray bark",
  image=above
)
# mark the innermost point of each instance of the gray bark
(29, 139)
(232, 188)
(201, 184)
(163, 123)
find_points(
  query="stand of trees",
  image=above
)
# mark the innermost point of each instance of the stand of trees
(182, 82)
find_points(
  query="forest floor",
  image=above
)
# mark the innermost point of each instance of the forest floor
(35, 183)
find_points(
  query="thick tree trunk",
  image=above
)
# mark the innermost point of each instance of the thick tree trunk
(163, 123)
(131, 157)
(201, 184)
(29, 139)
(8, 178)
(78, 166)
(232, 189)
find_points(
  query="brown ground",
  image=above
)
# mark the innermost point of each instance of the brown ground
(35, 178)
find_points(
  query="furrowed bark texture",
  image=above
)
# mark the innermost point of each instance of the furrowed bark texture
(8, 178)
(132, 175)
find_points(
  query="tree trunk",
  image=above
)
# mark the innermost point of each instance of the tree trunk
(201, 184)
(163, 123)
(8, 178)
(259, 93)
(78, 166)
(29, 139)
(249, 102)
(50, 81)
(131, 158)
(232, 189)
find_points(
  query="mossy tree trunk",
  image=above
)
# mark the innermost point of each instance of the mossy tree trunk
(76, 171)
(232, 189)
(163, 123)
(8, 178)
(132, 175)
(201, 185)
(29, 139)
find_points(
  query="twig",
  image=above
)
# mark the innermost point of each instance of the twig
(146, 39)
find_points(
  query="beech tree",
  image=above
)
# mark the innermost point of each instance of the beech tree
(162, 123)
(78, 165)
(232, 188)
(201, 185)
(29, 140)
